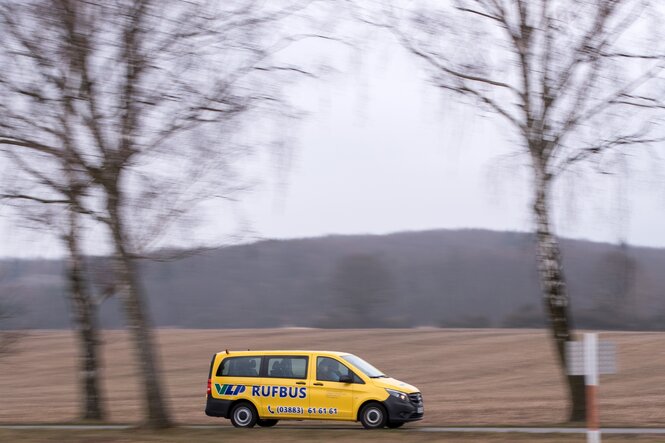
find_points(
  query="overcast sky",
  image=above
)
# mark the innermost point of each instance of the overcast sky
(384, 152)
(381, 151)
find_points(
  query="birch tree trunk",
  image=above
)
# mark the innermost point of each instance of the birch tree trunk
(84, 313)
(135, 305)
(553, 284)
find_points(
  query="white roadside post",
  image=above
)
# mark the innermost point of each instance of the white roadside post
(591, 358)
(591, 382)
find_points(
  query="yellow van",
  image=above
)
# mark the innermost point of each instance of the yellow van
(263, 387)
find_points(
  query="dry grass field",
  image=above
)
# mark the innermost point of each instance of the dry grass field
(466, 376)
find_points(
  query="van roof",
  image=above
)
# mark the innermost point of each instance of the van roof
(282, 352)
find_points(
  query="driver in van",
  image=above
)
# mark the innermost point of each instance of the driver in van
(328, 370)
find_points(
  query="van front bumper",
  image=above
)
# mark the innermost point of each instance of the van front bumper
(216, 407)
(399, 410)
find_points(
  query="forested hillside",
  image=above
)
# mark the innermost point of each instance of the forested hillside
(466, 278)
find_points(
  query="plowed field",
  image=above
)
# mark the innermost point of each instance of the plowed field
(466, 376)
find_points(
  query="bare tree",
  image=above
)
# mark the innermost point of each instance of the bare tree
(363, 285)
(84, 305)
(85, 315)
(571, 81)
(48, 192)
(141, 98)
(8, 337)
(614, 303)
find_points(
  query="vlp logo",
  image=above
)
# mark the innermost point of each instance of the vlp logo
(230, 389)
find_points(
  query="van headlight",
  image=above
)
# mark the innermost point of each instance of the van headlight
(401, 395)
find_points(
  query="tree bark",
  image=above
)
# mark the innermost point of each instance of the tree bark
(135, 305)
(555, 294)
(84, 313)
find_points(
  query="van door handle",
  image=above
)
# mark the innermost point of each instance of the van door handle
(318, 384)
(301, 383)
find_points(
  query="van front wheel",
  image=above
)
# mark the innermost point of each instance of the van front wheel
(243, 415)
(373, 416)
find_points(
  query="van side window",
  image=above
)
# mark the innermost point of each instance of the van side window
(329, 369)
(239, 367)
(287, 367)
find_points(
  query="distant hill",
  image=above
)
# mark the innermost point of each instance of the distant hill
(450, 278)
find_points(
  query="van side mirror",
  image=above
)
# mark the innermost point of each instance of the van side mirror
(346, 379)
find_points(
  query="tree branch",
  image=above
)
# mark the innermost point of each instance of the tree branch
(33, 198)
(605, 146)
(435, 63)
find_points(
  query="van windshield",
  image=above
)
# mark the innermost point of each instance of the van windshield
(365, 367)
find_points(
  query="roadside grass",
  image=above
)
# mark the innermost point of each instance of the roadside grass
(179, 435)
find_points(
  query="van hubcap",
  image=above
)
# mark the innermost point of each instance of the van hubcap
(243, 416)
(373, 416)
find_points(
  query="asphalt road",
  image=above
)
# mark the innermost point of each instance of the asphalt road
(524, 430)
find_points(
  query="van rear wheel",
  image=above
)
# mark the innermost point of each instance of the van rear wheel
(267, 422)
(373, 416)
(243, 415)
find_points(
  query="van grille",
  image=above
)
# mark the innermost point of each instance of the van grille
(416, 398)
